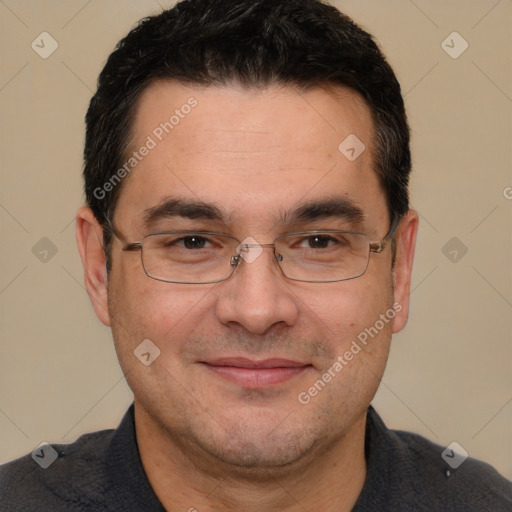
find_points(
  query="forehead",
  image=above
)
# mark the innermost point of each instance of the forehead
(253, 151)
(238, 119)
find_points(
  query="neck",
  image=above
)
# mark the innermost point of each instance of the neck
(185, 479)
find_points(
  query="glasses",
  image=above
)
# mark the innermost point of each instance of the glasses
(203, 257)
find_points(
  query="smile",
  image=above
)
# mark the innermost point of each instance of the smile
(252, 374)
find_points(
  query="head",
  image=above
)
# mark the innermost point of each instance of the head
(229, 116)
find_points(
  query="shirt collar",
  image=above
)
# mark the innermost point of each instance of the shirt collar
(126, 470)
(127, 473)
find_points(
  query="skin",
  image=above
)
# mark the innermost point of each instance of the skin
(207, 443)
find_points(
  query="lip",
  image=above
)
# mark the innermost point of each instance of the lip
(253, 374)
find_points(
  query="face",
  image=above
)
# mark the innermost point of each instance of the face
(237, 378)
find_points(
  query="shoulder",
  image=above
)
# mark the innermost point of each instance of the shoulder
(448, 478)
(406, 471)
(58, 477)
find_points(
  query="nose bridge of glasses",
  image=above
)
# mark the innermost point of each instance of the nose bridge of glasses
(256, 245)
(243, 252)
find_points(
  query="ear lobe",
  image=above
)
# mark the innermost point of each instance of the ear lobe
(405, 245)
(89, 237)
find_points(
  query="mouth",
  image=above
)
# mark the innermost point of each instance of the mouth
(254, 374)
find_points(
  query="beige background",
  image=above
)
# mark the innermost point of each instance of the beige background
(449, 376)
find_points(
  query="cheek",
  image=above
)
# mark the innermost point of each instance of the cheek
(348, 307)
(144, 308)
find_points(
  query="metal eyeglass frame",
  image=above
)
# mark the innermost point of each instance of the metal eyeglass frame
(376, 247)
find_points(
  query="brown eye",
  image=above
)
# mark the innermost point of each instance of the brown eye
(194, 242)
(319, 241)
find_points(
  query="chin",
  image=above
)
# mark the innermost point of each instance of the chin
(255, 454)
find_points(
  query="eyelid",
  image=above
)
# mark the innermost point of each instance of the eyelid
(206, 234)
(179, 236)
(310, 232)
(189, 232)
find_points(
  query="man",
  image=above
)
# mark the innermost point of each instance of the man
(248, 239)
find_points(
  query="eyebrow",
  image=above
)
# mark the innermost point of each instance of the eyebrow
(332, 207)
(176, 207)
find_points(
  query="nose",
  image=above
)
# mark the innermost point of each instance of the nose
(257, 296)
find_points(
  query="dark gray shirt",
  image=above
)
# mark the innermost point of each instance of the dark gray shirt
(102, 471)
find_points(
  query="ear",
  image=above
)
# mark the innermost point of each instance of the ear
(405, 244)
(89, 237)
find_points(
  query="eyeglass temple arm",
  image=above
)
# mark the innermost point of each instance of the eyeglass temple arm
(127, 246)
(374, 246)
(379, 246)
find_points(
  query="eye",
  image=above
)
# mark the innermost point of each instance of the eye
(319, 241)
(193, 242)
